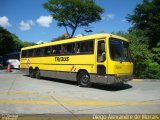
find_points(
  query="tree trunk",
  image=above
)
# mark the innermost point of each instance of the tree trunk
(73, 31)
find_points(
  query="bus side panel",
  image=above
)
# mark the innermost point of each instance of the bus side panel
(62, 67)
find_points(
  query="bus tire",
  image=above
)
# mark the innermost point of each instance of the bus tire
(84, 79)
(31, 72)
(37, 73)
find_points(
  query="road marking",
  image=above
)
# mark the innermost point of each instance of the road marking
(76, 103)
(137, 80)
(36, 94)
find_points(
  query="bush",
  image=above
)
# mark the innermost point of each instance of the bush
(147, 69)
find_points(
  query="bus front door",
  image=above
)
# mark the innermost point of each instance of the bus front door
(101, 58)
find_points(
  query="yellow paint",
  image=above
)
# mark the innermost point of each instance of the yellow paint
(26, 93)
(137, 80)
(76, 103)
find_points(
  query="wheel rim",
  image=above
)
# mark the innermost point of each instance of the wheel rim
(37, 73)
(85, 78)
(31, 73)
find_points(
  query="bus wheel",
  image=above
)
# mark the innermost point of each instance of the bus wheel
(37, 73)
(84, 79)
(31, 73)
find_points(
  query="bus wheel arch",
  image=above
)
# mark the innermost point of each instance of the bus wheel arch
(31, 72)
(37, 72)
(83, 78)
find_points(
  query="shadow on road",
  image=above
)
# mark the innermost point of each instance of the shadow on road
(115, 87)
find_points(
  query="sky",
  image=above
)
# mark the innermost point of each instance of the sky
(31, 22)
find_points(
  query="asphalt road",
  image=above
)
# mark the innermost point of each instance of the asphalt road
(20, 94)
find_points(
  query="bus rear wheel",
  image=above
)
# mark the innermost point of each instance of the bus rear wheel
(84, 79)
(31, 73)
(37, 73)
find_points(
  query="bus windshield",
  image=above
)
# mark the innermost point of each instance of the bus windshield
(119, 50)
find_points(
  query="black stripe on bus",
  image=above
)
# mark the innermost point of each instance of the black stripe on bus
(55, 55)
(56, 71)
(58, 64)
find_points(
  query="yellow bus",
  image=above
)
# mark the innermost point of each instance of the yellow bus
(100, 58)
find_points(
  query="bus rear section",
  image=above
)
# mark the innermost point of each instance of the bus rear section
(117, 65)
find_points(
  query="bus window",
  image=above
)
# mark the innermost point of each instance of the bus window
(38, 52)
(47, 51)
(84, 47)
(30, 53)
(54, 50)
(24, 53)
(87, 46)
(63, 49)
(76, 48)
(69, 48)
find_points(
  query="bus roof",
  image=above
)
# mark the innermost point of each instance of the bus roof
(95, 36)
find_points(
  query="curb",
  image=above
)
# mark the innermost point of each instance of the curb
(145, 80)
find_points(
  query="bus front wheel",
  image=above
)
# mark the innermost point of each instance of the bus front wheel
(84, 79)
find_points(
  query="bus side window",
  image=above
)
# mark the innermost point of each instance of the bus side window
(42, 51)
(63, 49)
(84, 47)
(24, 53)
(47, 51)
(54, 50)
(69, 48)
(30, 53)
(38, 52)
(76, 48)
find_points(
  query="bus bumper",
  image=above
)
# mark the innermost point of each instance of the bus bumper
(113, 79)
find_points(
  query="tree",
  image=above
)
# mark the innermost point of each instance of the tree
(18, 43)
(156, 53)
(6, 42)
(146, 17)
(26, 44)
(62, 37)
(74, 13)
(145, 21)
(9, 42)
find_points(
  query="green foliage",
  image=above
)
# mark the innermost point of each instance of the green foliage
(62, 37)
(18, 43)
(10, 42)
(146, 17)
(74, 13)
(156, 53)
(26, 44)
(6, 42)
(148, 69)
(144, 37)
(138, 45)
